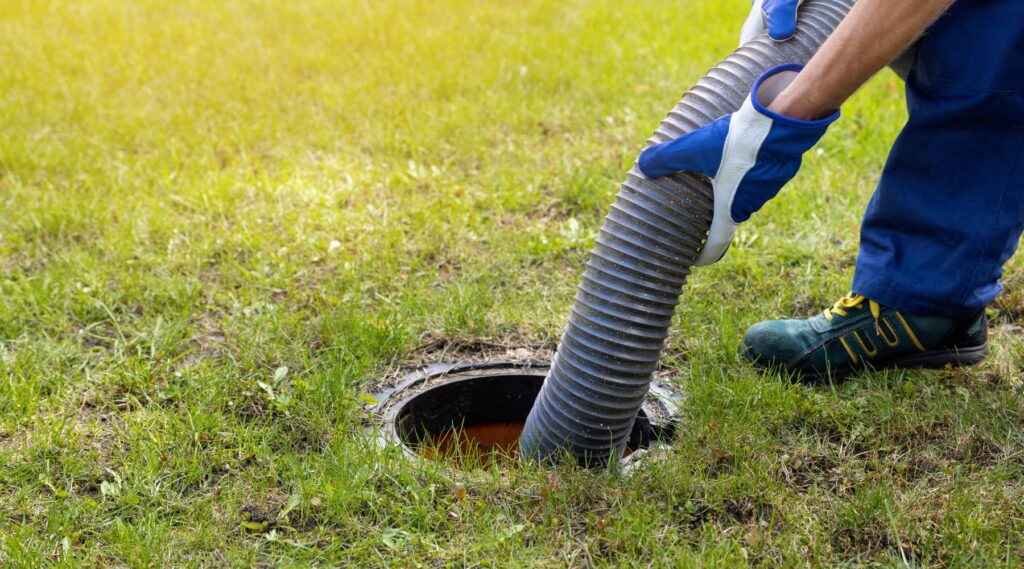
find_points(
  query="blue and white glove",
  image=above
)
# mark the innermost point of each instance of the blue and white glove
(749, 155)
(776, 16)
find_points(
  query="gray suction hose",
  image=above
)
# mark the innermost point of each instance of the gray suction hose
(652, 236)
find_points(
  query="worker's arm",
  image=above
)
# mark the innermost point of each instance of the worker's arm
(871, 35)
(751, 154)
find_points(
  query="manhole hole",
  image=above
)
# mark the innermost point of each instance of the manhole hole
(473, 413)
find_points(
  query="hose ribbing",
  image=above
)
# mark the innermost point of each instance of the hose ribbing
(651, 237)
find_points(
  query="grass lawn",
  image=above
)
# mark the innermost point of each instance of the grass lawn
(220, 221)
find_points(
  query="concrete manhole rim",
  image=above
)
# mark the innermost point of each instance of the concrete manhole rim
(661, 406)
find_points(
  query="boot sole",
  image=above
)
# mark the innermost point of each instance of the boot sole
(932, 359)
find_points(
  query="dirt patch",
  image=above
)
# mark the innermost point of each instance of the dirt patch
(8, 353)
(259, 516)
(870, 542)
(747, 509)
(208, 341)
(739, 511)
(99, 336)
(876, 541)
(21, 264)
(924, 464)
(440, 348)
(100, 430)
(89, 435)
(10, 442)
(803, 471)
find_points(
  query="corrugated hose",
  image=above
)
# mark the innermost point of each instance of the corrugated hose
(651, 237)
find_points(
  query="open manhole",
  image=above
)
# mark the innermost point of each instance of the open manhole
(474, 412)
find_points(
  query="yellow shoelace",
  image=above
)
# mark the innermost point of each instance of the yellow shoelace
(853, 302)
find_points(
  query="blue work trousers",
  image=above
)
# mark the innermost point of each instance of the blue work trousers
(949, 209)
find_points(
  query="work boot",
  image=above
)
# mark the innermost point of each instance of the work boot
(857, 333)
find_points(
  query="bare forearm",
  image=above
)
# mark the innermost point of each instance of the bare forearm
(872, 35)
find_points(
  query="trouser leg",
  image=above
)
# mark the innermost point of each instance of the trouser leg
(949, 208)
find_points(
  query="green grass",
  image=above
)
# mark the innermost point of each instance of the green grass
(196, 195)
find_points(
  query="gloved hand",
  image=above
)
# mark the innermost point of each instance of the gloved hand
(749, 155)
(777, 16)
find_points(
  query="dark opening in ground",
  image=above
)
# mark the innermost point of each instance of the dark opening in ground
(480, 417)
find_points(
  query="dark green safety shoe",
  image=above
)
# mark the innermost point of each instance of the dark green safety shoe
(857, 333)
